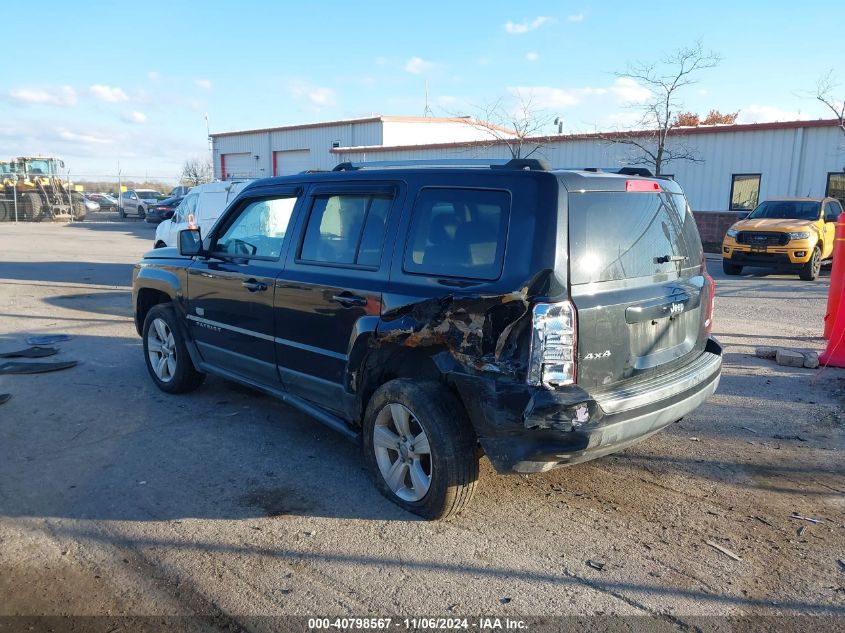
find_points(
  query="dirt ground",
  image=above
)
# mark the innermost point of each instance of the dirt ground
(117, 499)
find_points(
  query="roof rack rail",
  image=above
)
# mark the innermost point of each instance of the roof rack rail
(624, 171)
(532, 164)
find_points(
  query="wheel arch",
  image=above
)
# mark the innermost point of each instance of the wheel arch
(389, 362)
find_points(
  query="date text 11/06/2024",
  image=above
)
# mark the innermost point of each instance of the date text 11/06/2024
(416, 624)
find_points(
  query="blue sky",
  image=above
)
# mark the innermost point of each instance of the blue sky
(129, 82)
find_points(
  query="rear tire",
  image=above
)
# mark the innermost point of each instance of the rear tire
(166, 354)
(78, 208)
(433, 461)
(731, 269)
(5, 215)
(33, 206)
(811, 269)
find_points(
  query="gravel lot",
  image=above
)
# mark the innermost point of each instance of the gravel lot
(118, 499)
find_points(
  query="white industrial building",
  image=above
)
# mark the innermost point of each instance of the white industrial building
(739, 164)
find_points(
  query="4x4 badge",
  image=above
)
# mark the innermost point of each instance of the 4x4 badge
(592, 356)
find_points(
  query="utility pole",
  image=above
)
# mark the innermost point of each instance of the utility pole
(211, 149)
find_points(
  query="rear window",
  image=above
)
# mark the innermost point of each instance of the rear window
(458, 233)
(621, 235)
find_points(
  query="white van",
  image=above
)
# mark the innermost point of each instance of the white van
(205, 202)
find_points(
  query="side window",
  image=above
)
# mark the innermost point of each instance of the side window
(259, 230)
(346, 229)
(745, 191)
(458, 233)
(831, 211)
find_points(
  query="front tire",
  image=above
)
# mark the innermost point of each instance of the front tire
(141, 213)
(420, 448)
(165, 353)
(33, 206)
(811, 269)
(731, 269)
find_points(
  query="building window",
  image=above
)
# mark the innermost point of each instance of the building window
(836, 186)
(745, 191)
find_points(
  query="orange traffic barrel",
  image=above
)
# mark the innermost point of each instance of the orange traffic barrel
(837, 278)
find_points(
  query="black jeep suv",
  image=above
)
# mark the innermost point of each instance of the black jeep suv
(545, 317)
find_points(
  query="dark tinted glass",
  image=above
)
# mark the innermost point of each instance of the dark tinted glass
(346, 229)
(458, 233)
(616, 235)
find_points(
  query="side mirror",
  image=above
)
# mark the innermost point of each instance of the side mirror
(190, 242)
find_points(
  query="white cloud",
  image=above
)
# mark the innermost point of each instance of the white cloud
(61, 96)
(629, 90)
(518, 28)
(546, 96)
(575, 18)
(418, 66)
(135, 117)
(205, 84)
(108, 93)
(532, 57)
(67, 135)
(317, 96)
(756, 113)
(154, 75)
(623, 89)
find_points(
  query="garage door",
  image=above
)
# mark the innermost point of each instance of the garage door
(289, 162)
(239, 166)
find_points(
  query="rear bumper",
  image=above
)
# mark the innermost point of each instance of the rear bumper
(524, 429)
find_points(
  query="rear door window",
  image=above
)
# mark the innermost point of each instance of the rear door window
(622, 235)
(346, 229)
(458, 232)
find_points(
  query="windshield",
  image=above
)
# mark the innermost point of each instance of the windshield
(39, 167)
(148, 193)
(787, 210)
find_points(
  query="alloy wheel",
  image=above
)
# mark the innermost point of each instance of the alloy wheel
(161, 349)
(402, 452)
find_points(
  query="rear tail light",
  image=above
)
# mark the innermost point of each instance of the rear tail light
(552, 355)
(711, 286)
(649, 186)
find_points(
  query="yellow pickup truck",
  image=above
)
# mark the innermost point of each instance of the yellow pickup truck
(788, 234)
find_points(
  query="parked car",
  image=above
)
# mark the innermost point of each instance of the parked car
(90, 205)
(137, 201)
(181, 190)
(204, 204)
(163, 210)
(786, 234)
(544, 317)
(106, 202)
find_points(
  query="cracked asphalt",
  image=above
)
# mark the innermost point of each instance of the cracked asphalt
(117, 499)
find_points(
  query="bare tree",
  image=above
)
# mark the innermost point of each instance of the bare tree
(196, 171)
(516, 123)
(824, 93)
(664, 80)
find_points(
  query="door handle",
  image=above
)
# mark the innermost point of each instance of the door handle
(348, 301)
(254, 286)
